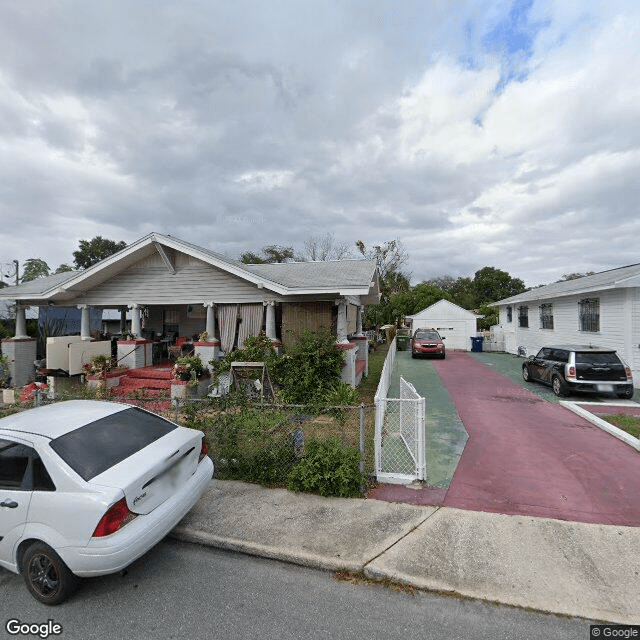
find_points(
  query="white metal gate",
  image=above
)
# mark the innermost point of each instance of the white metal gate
(400, 436)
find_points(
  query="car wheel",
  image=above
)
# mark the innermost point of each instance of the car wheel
(627, 395)
(557, 386)
(47, 577)
(526, 374)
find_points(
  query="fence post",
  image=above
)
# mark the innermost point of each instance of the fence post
(362, 426)
(36, 398)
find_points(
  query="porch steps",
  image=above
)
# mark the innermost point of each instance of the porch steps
(161, 372)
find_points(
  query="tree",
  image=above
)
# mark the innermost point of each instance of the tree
(490, 319)
(325, 247)
(491, 284)
(34, 268)
(575, 276)
(94, 250)
(63, 268)
(270, 254)
(460, 290)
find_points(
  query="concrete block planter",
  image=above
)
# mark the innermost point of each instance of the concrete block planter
(8, 396)
(181, 389)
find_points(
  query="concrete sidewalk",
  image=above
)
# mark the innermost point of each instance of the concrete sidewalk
(577, 569)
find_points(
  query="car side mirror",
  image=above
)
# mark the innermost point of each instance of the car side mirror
(444, 337)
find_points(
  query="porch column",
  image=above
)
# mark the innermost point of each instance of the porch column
(270, 322)
(359, 321)
(123, 319)
(342, 327)
(21, 322)
(210, 326)
(85, 329)
(136, 327)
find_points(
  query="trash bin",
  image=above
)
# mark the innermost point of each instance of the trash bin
(476, 343)
(402, 342)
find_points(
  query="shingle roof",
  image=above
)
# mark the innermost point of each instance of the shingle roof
(597, 282)
(39, 285)
(317, 275)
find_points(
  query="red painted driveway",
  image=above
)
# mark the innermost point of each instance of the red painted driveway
(530, 457)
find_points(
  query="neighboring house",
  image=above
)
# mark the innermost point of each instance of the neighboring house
(454, 323)
(174, 288)
(602, 309)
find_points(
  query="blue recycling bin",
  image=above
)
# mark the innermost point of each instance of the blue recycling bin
(476, 343)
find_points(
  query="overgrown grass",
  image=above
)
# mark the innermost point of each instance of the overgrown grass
(630, 424)
(369, 385)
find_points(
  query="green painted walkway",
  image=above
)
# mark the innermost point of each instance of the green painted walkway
(446, 435)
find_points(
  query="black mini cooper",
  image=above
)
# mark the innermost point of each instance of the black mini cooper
(582, 368)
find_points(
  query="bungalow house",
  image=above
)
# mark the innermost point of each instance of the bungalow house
(170, 288)
(454, 323)
(602, 309)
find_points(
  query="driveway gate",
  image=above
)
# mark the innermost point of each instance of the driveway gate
(400, 436)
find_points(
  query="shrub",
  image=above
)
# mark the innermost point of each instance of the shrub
(248, 445)
(328, 469)
(311, 369)
(255, 349)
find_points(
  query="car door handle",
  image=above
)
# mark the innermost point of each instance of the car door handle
(12, 504)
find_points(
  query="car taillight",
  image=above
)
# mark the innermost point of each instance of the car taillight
(571, 372)
(627, 370)
(116, 517)
(204, 449)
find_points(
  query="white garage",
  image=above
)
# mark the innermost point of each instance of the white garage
(454, 323)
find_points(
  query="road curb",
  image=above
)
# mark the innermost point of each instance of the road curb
(313, 561)
(602, 424)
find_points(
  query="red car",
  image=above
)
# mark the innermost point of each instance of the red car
(427, 342)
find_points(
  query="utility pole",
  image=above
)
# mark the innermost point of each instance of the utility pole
(17, 265)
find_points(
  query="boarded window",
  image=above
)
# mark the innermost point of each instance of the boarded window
(523, 317)
(589, 314)
(546, 316)
(298, 316)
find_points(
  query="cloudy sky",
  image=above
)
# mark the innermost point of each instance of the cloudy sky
(502, 133)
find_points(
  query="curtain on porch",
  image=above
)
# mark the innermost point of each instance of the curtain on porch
(227, 315)
(251, 324)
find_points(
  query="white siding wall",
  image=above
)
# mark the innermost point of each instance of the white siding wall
(619, 325)
(149, 282)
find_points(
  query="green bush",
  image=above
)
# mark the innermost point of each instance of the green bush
(248, 445)
(311, 369)
(255, 349)
(329, 469)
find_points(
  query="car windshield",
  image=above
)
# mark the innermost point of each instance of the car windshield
(100, 445)
(587, 357)
(427, 335)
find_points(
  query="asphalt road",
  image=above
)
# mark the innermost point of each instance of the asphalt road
(183, 591)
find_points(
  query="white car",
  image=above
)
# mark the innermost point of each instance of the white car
(87, 487)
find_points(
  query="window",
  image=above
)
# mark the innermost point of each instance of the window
(546, 316)
(589, 314)
(21, 468)
(523, 316)
(509, 314)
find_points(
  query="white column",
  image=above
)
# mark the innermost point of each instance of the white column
(210, 327)
(21, 322)
(136, 327)
(270, 322)
(85, 328)
(359, 321)
(341, 329)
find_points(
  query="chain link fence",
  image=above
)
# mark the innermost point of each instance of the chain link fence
(248, 442)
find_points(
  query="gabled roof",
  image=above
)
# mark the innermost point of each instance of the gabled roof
(344, 277)
(621, 277)
(446, 304)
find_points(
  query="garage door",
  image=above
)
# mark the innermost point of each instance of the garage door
(456, 333)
